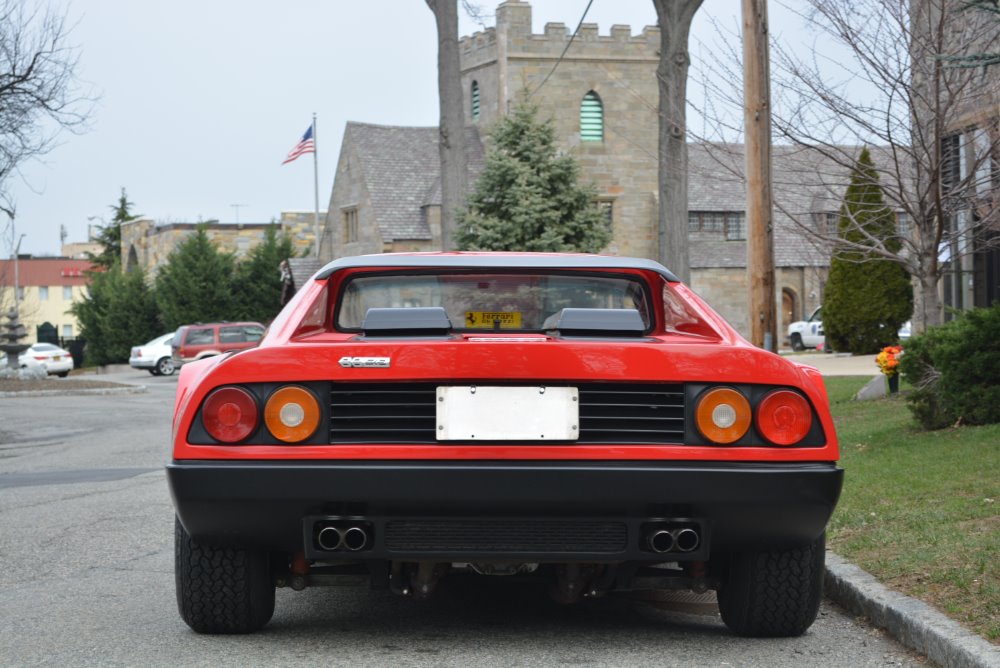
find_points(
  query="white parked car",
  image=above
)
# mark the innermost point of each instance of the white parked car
(154, 356)
(809, 333)
(46, 356)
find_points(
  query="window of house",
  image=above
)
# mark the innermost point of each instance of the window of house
(67, 292)
(474, 97)
(825, 221)
(736, 226)
(591, 118)
(731, 223)
(67, 331)
(951, 162)
(43, 293)
(903, 222)
(350, 217)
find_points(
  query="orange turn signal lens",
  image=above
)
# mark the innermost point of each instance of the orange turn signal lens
(292, 413)
(723, 415)
(784, 417)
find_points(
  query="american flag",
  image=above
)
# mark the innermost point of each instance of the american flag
(305, 145)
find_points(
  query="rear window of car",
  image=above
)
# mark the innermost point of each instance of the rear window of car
(475, 301)
(46, 347)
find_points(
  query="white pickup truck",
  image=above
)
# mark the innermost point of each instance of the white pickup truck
(807, 333)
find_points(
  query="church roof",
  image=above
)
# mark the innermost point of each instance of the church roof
(402, 172)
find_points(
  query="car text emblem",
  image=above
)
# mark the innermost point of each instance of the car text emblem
(364, 362)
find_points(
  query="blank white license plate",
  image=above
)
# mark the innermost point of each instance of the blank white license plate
(533, 413)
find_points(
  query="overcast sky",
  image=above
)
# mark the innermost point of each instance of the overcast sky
(199, 101)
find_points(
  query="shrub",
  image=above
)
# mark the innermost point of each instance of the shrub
(954, 369)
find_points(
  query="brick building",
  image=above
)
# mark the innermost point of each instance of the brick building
(48, 286)
(603, 100)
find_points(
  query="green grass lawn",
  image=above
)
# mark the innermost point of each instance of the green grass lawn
(920, 510)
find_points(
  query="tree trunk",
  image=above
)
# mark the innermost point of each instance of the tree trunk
(674, 18)
(927, 310)
(452, 125)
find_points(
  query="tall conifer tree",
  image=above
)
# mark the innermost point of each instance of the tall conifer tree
(528, 197)
(196, 284)
(868, 297)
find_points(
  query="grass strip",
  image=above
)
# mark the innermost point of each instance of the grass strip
(920, 510)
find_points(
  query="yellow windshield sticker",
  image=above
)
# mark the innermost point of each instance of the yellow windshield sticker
(488, 319)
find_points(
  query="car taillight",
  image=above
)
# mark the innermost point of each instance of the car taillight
(230, 414)
(723, 415)
(784, 417)
(292, 413)
(40, 358)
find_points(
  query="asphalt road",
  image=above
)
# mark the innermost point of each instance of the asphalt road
(86, 578)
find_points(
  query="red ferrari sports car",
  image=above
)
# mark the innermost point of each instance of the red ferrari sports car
(584, 420)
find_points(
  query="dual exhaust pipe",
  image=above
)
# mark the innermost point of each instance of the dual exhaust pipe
(664, 540)
(351, 538)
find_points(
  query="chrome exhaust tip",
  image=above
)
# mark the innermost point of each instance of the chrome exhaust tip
(661, 541)
(355, 538)
(687, 540)
(330, 538)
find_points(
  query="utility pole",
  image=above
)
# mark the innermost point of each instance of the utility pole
(236, 208)
(757, 130)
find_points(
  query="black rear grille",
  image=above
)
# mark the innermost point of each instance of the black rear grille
(506, 536)
(649, 413)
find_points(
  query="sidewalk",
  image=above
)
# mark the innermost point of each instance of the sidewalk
(836, 364)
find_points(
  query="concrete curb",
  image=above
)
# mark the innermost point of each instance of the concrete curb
(132, 389)
(913, 623)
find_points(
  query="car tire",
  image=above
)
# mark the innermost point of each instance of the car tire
(222, 590)
(153, 372)
(165, 367)
(797, 344)
(63, 374)
(773, 593)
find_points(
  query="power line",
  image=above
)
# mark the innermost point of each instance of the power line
(568, 44)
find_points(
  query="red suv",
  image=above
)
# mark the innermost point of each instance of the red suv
(198, 341)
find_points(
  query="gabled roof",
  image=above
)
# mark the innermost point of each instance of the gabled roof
(401, 168)
(804, 182)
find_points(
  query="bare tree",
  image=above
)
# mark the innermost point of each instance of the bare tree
(39, 92)
(674, 18)
(452, 125)
(878, 76)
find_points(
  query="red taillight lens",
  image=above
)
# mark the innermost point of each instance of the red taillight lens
(784, 417)
(292, 413)
(230, 414)
(723, 415)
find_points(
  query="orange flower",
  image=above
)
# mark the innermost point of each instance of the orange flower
(888, 359)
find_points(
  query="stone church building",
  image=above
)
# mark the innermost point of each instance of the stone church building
(603, 99)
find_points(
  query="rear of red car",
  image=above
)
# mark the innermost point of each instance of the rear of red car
(586, 420)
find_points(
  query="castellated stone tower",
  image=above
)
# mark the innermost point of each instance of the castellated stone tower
(602, 97)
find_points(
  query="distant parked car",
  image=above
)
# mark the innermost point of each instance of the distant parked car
(53, 359)
(198, 341)
(809, 333)
(154, 356)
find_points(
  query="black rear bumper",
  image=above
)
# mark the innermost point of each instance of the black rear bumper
(276, 505)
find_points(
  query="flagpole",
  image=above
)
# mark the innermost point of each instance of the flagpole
(316, 183)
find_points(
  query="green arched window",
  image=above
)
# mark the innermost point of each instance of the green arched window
(474, 96)
(591, 118)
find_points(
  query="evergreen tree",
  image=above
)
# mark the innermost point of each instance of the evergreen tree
(110, 235)
(528, 197)
(118, 312)
(258, 278)
(868, 297)
(196, 283)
